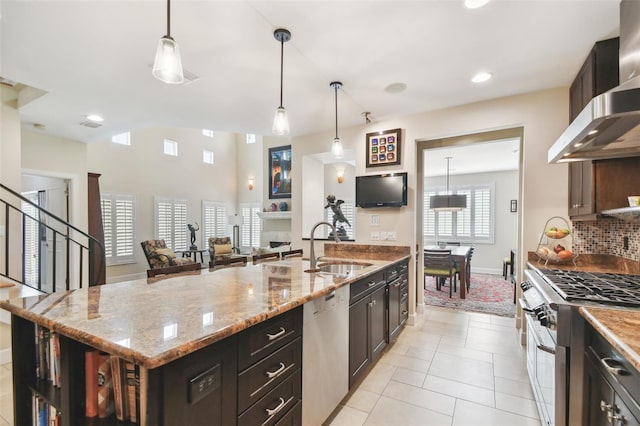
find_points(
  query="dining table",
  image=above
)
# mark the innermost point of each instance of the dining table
(459, 255)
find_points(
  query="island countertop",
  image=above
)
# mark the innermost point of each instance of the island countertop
(153, 322)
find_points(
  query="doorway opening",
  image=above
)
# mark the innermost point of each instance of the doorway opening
(485, 169)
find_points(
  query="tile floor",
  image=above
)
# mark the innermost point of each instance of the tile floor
(452, 368)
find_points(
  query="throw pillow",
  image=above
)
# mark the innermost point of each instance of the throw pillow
(167, 252)
(222, 249)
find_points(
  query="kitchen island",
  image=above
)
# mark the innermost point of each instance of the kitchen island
(184, 332)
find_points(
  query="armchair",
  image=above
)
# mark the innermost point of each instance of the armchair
(220, 248)
(162, 260)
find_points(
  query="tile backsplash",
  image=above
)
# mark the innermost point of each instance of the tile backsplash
(607, 237)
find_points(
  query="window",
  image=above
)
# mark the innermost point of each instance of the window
(473, 224)
(171, 147)
(207, 132)
(31, 240)
(118, 220)
(251, 138)
(214, 220)
(348, 210)
(122, 138)
(207, 156)
(171, 222)
(250, 229)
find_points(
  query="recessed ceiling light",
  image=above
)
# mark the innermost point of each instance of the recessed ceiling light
(481, 77)
(95, 117)
(396, 88)
(474, 4)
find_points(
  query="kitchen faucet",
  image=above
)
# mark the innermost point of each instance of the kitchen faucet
(312, 254)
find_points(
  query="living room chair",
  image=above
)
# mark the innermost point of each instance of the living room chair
(163, 260)
(220, 248)
(440, 264)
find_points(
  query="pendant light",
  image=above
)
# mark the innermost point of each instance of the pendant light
(337, 151)
(167, 66)
(448, 202)
(281, 121)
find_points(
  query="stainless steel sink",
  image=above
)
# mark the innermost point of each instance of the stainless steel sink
(341, 268)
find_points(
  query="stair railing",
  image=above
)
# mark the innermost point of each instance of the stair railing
(64, 256)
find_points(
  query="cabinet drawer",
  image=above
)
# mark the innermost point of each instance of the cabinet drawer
(396, 270)
(257, 380)
(293, 417)
(274, 405)
(627, 381)
(361, 288)
(404, 311)
(266, 337)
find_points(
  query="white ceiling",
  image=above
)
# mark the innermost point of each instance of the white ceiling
(96, 56)
(482, 157)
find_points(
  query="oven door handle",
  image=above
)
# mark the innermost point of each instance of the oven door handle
(524, 306)
(546, 348)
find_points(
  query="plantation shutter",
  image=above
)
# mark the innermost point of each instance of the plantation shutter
(171, 223)
(250, 229)
(482, 213)
(214, 214)
(31, 255)
(463, 217)
(118, 219)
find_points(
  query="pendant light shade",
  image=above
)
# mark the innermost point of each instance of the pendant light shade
(337, 151)
(448, 202)
(281, 121)
(167, 66)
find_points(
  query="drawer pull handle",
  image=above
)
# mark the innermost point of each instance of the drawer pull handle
(604, 406)
(546, 349)
(405, 312)
(278, 408)
(278, 334)
(613, 366)
(272, 374)
(405, 294)
(371, 283)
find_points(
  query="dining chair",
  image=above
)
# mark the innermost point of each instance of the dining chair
(227, 262)
(263, 257)
(291, 253)
(440, 264)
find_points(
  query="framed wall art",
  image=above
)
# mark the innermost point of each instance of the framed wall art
(383, 148)
(279, 166)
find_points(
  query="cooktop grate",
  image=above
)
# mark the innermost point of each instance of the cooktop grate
(576, 286)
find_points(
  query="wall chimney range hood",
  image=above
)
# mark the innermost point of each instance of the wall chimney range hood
(609, 126)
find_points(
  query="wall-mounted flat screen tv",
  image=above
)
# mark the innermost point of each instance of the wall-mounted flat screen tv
(386, 190)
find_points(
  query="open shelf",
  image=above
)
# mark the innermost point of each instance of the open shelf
(274, 215)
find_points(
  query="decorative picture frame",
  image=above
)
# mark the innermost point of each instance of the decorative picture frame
(279, 166)
(383, 148)
(514, 206)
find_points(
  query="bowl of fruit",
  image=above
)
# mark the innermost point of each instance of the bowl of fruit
(556, 254)
(557, 233)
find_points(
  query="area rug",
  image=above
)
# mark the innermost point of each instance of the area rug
(491, 294)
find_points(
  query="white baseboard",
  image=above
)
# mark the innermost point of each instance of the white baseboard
(5, 356)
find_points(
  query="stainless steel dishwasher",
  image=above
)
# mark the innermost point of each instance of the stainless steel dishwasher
(325, 355)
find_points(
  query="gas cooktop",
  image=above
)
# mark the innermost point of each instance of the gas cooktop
(577, 286)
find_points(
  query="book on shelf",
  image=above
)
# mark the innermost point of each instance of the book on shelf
(119, 387)
(91, 382)
(105, 386)
(132, 379)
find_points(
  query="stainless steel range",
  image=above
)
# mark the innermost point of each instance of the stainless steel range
(555, 332)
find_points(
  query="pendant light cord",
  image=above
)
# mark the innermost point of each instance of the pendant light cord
(169, 18)
(335, 87)
(281, 67)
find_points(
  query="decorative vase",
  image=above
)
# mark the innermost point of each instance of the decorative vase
(274, 207)
(283, 206)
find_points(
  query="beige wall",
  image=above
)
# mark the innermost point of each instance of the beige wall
(543, 187)
(142, 169)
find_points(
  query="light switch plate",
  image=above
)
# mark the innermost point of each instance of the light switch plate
(375, 236)
(375, 220)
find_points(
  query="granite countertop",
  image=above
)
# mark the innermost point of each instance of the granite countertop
(590, 263)
(618, 327)
(154, 321)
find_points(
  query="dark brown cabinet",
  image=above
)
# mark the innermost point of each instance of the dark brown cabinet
(598, 74)
(367, 324)
(398, 299)
(610, 384)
